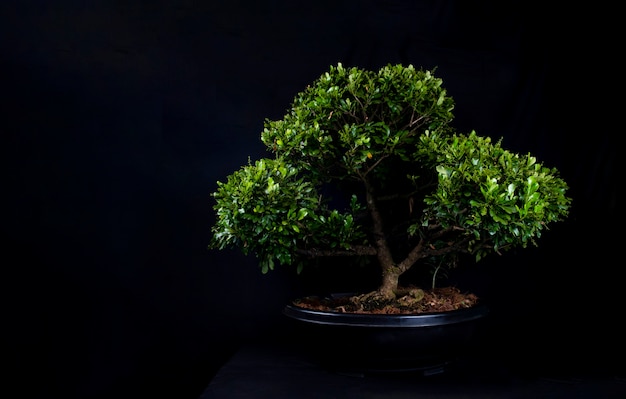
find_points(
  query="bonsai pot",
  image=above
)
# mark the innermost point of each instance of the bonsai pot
(427, 343)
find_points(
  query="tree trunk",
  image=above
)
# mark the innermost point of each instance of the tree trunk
(390, 281)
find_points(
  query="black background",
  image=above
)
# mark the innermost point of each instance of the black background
(119, 117)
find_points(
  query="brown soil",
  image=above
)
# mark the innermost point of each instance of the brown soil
(413, 301)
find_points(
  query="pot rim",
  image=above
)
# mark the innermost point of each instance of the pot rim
(464, 315)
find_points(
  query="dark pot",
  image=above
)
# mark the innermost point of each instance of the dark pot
(362, 343)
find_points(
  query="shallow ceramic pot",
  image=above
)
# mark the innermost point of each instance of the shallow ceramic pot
(369, 343)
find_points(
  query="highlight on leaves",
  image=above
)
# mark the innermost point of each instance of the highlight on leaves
(366, 164)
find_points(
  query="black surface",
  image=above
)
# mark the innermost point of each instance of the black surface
(274, 371)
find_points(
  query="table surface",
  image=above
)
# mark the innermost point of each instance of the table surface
(281, 371)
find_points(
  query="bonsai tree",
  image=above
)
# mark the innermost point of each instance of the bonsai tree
(366, 164)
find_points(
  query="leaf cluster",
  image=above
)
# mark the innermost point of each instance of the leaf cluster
(351, 120)
(356, 146)
(496, 198)
(268, 209)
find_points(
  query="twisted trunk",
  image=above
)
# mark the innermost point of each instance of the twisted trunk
(390, 271)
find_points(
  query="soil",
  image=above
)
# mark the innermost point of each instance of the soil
(413, 301)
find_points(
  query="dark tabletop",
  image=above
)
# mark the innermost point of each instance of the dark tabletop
(277, 371)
